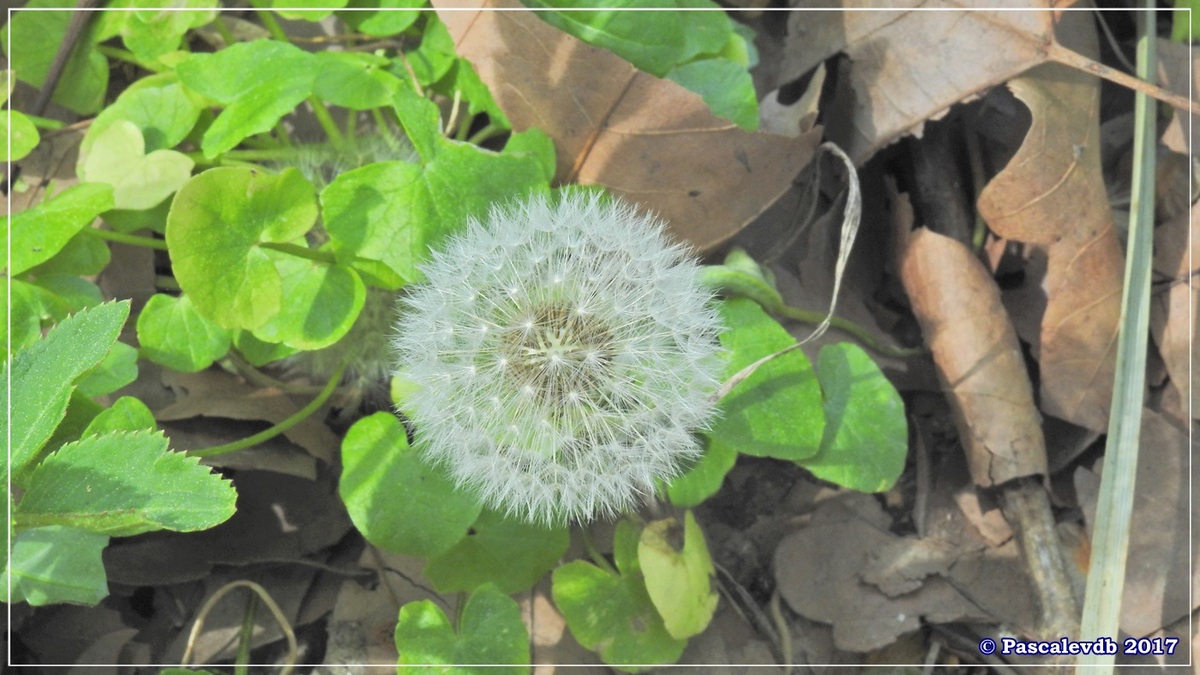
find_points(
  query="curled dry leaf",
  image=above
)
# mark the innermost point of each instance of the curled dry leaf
(1052, 194)
(645, 138)
(978, 358)
(1173, 309)
(1175, 63)
(908, 66)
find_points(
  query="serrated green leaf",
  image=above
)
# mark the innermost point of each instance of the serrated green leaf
(679, 579)
(258, 82)
(117, 369)
(776, 412)
(173, 334)
(157, 106)
(395, 500)
(57, 564)
(35, 37)
(354, 80)
(125, 414)
(322, 303)
(491, 635)
(509, 553)
(39, 233)
(214, 229)
(613, 615)
(705, 478)
(43, 376)
(122, 484)
(394, 211)
(866, 434)
(390, 20)
(140, 181)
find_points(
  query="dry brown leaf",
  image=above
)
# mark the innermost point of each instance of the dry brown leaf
(1160, 568)
(1173, 310)
(1052, 194)
(978, 357)
(1175, 62)
(642, 137)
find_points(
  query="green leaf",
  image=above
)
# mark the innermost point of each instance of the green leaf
(65, 294)
(866, 433)
(140, 181)
(216, 223)
(679, 578)
(42, 231)
(776, 412)
(395, 211)
(83, 255)
(435, 57)
(535, 145)
(705, 478)
(259, 353)
(354, 80)
(126, 414)
(131, 221)
(57, 564)
(259, 82)
(724, 85)
(157, 105)
(25, 313)
(35, 37)
(122, 484)
(395, 500)
(390, 20)
(117, 369)
(14, 125)
(509, 553)
(173, 334)
(43, 376)
(153, 32)
(491, 634)
(322, 303)
(319, 8)
(613, 615)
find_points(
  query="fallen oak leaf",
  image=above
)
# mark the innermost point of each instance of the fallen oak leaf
(645, 138)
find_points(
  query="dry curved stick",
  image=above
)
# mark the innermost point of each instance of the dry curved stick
(271, 605)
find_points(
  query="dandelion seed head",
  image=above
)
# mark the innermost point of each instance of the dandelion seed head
(564, 355)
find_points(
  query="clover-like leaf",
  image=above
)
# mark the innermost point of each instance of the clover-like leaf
(140, 181)
(354, 80)
(490, 635)
(258, 83)
(507, 552)
(39, 233)
(173, 334)
(679, 574)
(611, 612)
(777, 411)
(155, 31)
(395, 500)
(389, 19)
(43, 376)
(157, 105)
(217, 222)
(866, 434)
(323, 302)
(57, 564)
(122, 484)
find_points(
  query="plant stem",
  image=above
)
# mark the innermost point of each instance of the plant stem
(131, 239)
(223, 30)
(272, 25)
(267, 434)
(327, 123)
(593, 553)
(301, 252)
(485, 133)
(45, 122)
(128, 57)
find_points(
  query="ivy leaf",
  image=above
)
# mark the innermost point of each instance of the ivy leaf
(509, 553)
(57, 564)
(39, 233)
(679, 574)
(866, 433)
(140, 181)
(258, 83)
(34, 39)
(43, 376)
(156, 105)
(777, 411)
(395, 500)
(491, 634)
(354, 80)
(323, 302)
(124, 483)
(611, 612)
(395, 211)
(173, 334)
(214, 229)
